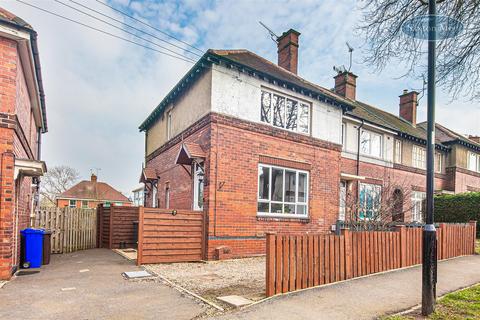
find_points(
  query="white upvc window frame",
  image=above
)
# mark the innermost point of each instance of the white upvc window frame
(197, 169)
(300, 102)
(438, 162)
(363, 207)
(419, 157)
(283, 203)
(398, 151)
(85, 204)
(417, 199)
(169, 125)
(475, 164)
(72, 203)
(154, 195)
(369, 152)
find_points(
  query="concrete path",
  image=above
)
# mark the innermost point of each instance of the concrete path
(100, 293)
(365, 298)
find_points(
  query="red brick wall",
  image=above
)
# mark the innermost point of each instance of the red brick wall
(464, 180)
(17, 140)
(234, 148)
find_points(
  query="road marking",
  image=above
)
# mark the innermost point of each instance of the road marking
(69, 289)
(84, 270)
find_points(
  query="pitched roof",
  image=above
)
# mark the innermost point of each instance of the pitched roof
(255, 65)
(7, 16)
(245, 59)
(447, 136)
(93, 190)
(9, 19)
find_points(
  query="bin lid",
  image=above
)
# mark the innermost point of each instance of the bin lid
(30, 231)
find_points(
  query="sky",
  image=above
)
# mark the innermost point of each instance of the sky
(99, 89)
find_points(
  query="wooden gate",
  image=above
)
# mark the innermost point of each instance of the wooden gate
(72, 228)
(116, 228)
(170, 236)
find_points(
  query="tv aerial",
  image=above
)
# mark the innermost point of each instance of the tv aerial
(342, 69)
(272, 34)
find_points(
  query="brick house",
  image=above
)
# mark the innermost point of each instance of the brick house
(88, 194)
(259, 149)
(22, 122)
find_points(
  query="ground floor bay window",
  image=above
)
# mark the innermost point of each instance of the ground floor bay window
(417, 205)
(282, 192)
(369, 201)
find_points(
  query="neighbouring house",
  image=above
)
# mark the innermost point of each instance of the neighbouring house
(89, 194)
(259, 149)
(23, 120)
(138, 196)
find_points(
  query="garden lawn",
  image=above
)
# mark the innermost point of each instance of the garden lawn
(463, 304)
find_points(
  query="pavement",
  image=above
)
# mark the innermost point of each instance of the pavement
(64, 289)
(364, 298)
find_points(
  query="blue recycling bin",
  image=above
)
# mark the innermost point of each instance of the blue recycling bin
(33, 247)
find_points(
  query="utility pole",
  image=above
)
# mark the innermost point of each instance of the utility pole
(429, 264)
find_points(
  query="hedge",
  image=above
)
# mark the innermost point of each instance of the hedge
(462, 207)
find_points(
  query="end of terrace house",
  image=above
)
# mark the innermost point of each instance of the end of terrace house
(259, 149)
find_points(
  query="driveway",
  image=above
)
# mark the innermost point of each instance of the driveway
(365, 298)
(99, 293)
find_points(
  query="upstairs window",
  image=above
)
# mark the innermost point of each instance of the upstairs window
(473, 162)
(285, 112)
(438, 162)
(371, 143)
(419, 157)
(398, 151)
(169, 125)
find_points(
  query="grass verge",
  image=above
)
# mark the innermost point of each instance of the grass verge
(463, 304)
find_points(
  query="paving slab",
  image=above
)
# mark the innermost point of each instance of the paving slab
(235, 301)
(102, 293)
(365, 298)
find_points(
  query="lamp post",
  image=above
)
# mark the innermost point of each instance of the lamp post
(429, 263)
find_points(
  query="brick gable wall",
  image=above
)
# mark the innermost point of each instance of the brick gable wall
(17, 140)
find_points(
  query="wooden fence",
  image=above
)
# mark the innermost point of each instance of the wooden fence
(116, 227)
(72, 228)
(300, 261)
(169, 236)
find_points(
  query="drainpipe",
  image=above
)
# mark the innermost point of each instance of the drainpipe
(358, 163)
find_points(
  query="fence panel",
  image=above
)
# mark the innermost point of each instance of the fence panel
(172, 236)
(300, 261)
(72, 228)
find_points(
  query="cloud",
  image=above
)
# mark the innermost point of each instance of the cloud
(99, 89)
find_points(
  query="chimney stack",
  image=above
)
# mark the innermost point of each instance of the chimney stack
(346, 84)
(288, 50)
(93, 178)
(474, 138)
(408, 106)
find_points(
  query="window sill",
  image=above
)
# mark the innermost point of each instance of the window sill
(282, 217)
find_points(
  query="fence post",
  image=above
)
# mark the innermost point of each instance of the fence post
(402, 230)
(110, 238)
(473, 223)
(140, 236)
(270, 265)
(99, 225)
(348, 253)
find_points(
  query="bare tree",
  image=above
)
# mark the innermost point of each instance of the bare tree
(390, 202)
(57, 180)
(458, 64)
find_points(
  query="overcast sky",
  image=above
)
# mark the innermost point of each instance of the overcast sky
(99, 89)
